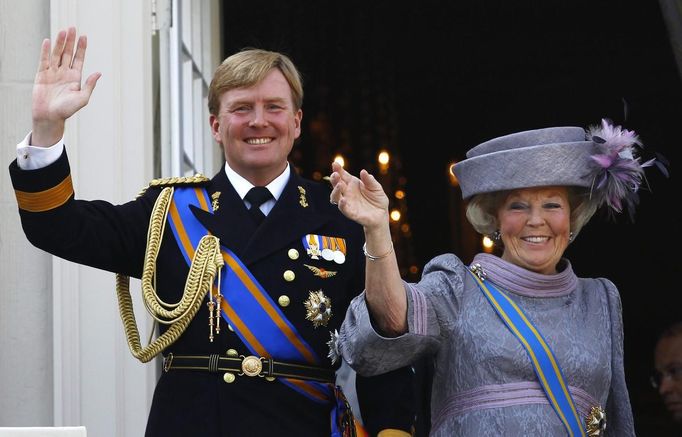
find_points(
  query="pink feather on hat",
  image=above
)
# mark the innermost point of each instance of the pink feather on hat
(617, 172)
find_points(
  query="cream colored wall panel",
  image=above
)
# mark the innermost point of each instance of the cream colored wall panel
(15, 122)
(25, 288)
(24, 25)
(25, 325)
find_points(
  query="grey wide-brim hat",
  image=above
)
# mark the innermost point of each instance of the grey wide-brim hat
(555, 156)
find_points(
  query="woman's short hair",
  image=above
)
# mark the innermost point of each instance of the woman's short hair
(482, 209)
(247, 68)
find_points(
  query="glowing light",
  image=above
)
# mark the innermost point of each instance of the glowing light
(453, 179)
(414, 269)
(487, 244)
(400, 194)
(317, 175)
(395, 215)
(340, 160)
(384, 157)
(405, 228)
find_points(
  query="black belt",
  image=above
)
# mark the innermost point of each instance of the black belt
(248, 366)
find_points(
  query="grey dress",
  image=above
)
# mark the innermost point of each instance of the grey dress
(484, 384)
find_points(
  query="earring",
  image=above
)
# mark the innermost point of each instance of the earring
(496, 236)
(570, 236)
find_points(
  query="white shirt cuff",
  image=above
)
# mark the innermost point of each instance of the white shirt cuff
(33, 157)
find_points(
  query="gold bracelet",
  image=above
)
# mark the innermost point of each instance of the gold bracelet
(373, 257)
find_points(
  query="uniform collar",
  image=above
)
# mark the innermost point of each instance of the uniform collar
(242, 186)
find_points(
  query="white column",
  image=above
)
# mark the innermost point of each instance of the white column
(25, 272)
(97, 381)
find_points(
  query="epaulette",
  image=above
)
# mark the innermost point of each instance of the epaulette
(197, 179)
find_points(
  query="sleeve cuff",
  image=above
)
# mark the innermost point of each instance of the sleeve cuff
(42, 189)
(33, 157)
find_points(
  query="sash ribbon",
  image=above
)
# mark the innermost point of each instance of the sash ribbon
(245, 304)
(544, 362)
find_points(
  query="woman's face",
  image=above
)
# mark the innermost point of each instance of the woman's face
(535, 226)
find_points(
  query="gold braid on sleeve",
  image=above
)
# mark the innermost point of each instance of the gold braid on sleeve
(206, 263)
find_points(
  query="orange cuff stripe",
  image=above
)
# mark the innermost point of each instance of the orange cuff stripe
(41, 201)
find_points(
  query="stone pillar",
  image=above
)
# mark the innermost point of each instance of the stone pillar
(26, 358)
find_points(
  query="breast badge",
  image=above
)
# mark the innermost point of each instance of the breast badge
(322, 273)
(319, 308)
(333, 354)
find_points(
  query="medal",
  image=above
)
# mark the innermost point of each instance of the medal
(311, 242)
(339, 257)
(327, 254)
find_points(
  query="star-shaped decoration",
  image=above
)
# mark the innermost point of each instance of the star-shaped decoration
(333, 354)
(319, 308)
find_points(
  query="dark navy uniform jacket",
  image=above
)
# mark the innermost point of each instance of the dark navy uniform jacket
(194, 403)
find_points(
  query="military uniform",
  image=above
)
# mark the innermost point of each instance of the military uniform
(201, 403)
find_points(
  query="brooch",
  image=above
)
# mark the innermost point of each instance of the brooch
(319, 308)
(477, 270)
(596, 422)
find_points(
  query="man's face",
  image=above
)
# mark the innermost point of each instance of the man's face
(257, 127)
(668, 363)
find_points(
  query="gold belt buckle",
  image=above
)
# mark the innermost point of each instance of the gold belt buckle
(596, 422)
(251, 365)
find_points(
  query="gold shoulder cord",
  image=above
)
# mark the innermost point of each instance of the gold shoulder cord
(206, 263)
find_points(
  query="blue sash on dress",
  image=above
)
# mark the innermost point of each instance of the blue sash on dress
(541, 356)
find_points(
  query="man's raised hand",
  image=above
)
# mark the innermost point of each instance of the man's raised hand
(57, 90)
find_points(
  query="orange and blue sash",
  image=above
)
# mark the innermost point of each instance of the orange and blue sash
(541, 356)
(245, 305)
(248, 308)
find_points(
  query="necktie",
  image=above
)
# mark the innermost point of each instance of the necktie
(256, 197)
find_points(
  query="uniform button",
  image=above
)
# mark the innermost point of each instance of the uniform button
(293, 254)
(232, 353)
(284, 300)
(229, 377)
(230, 327)
(289, 275)
(270, 378)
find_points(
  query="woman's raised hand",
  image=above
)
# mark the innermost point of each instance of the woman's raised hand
(360, 199)
(57, 90)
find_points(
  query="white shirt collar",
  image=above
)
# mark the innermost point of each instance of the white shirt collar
(242, 186)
